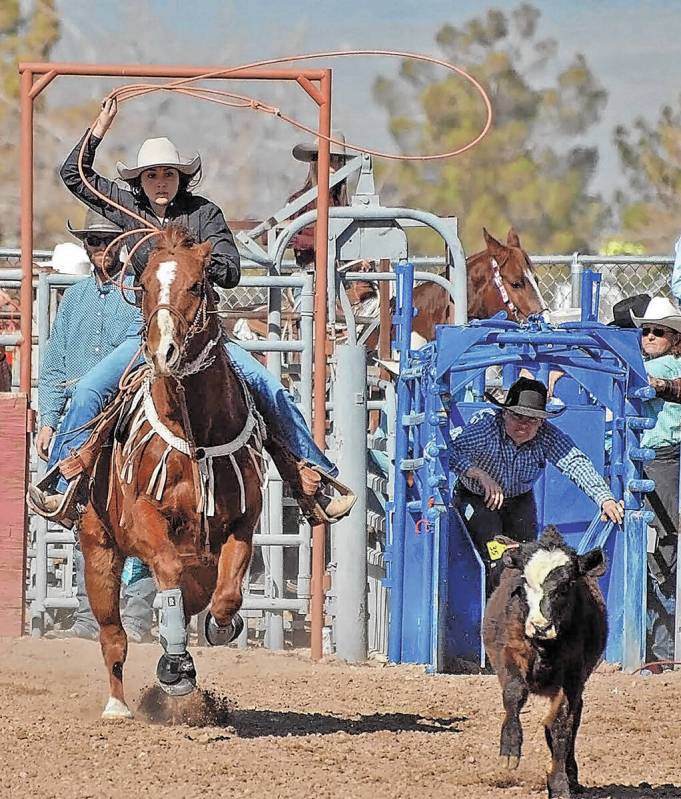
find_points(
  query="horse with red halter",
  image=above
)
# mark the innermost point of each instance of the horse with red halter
(500, 278)
(180, 486)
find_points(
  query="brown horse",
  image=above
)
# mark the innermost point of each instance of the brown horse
(500, 278)
(181, 488)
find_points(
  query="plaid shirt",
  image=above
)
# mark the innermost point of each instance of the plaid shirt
(485, 444)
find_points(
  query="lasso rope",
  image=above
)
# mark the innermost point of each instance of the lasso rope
(234, 100)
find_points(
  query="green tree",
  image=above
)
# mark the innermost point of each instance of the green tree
(650, 207)
(527, 171)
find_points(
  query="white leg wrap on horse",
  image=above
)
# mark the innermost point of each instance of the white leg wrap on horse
(171, 627)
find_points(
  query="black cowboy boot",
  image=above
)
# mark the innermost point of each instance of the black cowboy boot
(308, 483)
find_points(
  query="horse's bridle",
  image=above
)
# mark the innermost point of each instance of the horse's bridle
(499, 283)
(187, 331)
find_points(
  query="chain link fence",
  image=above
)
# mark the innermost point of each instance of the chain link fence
(622, 276)
(242, 297)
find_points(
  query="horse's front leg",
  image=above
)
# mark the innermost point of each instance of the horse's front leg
(175, 670)
(103, 567)
(224, 623)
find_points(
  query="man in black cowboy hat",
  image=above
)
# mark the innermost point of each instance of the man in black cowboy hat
(91, 321)
(623, 310)
(498, 458)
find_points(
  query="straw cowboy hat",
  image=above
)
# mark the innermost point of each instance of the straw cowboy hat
(308, 151)
(94, 223)
(662, 312)
(527, 397)
(70, 259)
(159, 152)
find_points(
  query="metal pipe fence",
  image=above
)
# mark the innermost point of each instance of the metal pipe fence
(558, 276)
(50, 568)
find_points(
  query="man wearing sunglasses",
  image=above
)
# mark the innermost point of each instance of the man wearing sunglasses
(498, 458)
(91, 321)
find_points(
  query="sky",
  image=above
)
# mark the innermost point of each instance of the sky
(632, 46)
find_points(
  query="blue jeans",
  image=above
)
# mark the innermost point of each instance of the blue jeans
(96, 389)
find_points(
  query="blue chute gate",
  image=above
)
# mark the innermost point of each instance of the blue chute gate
(435, 577)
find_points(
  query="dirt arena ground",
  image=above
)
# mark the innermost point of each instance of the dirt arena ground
(280, 726)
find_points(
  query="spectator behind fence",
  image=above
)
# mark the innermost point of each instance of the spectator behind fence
(498, 457)
(303, 243)
(661, 343)
(92, 320)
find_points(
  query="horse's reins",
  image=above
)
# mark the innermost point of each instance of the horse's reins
(187, 330)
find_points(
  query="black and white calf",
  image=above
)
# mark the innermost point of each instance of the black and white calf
(544, 631)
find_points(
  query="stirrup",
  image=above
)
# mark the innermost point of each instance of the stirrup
(315, 512)
(67, 513)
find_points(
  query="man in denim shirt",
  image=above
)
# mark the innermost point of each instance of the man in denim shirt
(500, 455)
(92, 320)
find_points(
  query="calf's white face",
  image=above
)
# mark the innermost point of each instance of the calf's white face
(539, 576)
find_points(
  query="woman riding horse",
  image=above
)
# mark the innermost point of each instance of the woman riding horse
(160, 192)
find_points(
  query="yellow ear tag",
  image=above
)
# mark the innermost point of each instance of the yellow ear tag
(496, 549)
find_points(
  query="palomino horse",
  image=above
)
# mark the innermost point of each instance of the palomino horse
(183, 489)
(500, 278)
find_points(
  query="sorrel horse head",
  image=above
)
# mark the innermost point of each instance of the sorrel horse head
(500, 278)
(181, 488)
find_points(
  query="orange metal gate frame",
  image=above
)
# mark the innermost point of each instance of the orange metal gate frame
(35, 77)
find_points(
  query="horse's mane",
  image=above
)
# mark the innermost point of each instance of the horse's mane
(175, 237)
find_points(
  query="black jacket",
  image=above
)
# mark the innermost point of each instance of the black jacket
(201, 216)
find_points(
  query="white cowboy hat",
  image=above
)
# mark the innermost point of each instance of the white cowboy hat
(307, 151)
(660, 311)
(70, 259)
(159, 152)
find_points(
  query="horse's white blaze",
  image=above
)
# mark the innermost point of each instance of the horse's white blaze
(115, 709)
(538, 568)
(165, 275)
(417, 341)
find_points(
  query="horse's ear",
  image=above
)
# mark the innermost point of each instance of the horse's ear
(513, 240)
(493, 246)
(204, 251)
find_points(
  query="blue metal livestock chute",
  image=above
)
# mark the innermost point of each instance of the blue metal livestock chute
(435, 576)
